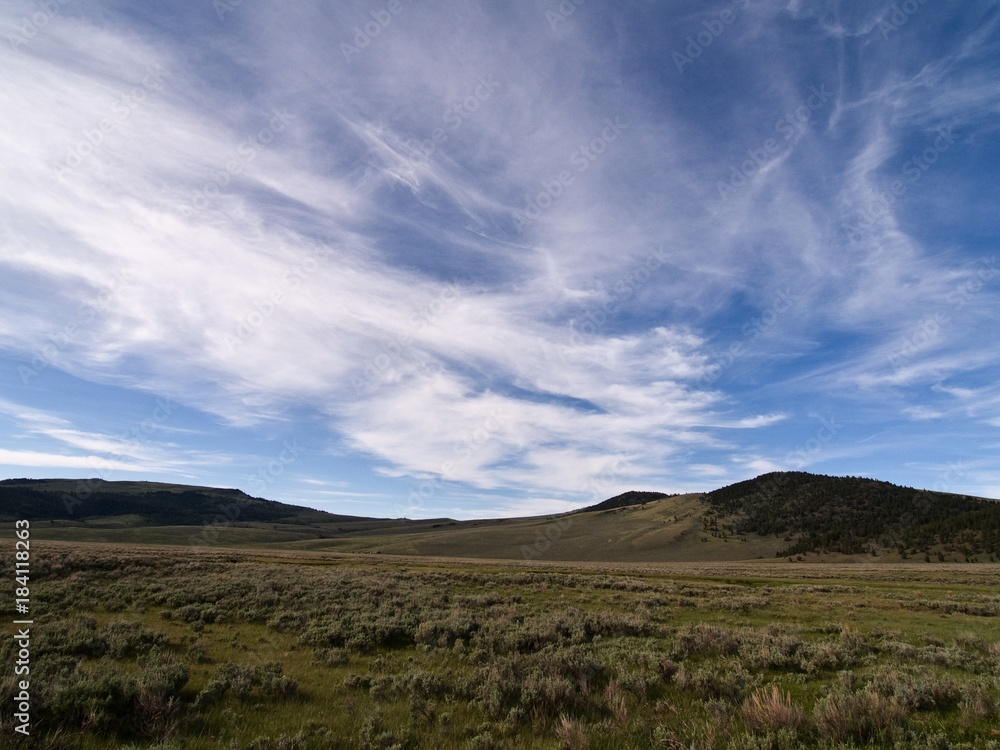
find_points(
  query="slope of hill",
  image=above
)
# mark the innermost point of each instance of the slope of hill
(635, 526)
(664, 530)
(778, 514)
(852, 515)
(633, 497)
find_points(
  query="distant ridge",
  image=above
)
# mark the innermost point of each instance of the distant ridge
(780, 514)
(153, 503)
(624, 500)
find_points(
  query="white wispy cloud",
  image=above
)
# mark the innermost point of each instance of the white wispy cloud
(498, 270)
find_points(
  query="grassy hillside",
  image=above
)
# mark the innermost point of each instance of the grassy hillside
(669, 529)
(664, 530)
(775, 515)
(624, 500)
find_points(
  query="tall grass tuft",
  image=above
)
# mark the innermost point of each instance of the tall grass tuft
(864, 716)
(571, 734)
(768, 710)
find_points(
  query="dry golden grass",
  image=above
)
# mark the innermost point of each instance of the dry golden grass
(768, 709)
(862, 717)
(571, 734)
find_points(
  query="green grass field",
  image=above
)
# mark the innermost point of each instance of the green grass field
(172, 647)
(783, 514)
(668, 530)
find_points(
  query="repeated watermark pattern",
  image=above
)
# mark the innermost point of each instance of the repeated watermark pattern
(56, 342)
(596, 318)
(581, 159)
(378, 367)
(929, 329)
(454, 116)
(259, 480)
(792, 122)
(225, 7)
(712, 29)
(562, 13)
(31, 26)
(92, 139)
(900, 15)
(752, 331)
(246, 153)
(371, 29)
(464, 450)
(803, 454)
(264, 308)
(135, 437)
(911, 173)
(268, 473)
(598, 487)
(806, 453)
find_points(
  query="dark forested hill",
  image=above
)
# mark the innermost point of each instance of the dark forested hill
(154, 503)
(819, 513)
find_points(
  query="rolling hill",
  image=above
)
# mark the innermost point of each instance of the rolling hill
(147, 503)
(625, 499)
(853, 515)
(774, 515)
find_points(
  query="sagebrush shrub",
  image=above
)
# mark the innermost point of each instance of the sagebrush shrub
(863, 716)
(124, 638)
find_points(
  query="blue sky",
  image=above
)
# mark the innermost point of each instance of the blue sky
(480, 259)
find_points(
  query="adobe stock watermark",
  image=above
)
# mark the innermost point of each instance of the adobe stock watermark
(930, 328)
(210, 530)
(49, 353)
(454, 116)
(581, 159)
(464, 450)
(31, 26)
(900, 15)
(713, 29)
(805, 454)
(594, 319)
(792, 122)
(268, 473)
(599, 487)
(134, 438)
(246, 153)
(266, 307)
(562, 13)
(121, 110)
(752, 331)
(370, 30)
(225, 7)
(912, 172)
(954, 472)
(378, 366)
(230, 512)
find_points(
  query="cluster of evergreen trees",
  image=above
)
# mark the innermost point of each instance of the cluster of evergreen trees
(854, 515)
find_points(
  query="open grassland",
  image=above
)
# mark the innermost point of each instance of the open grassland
(667, 530)
(169, 647)
(795, 515)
